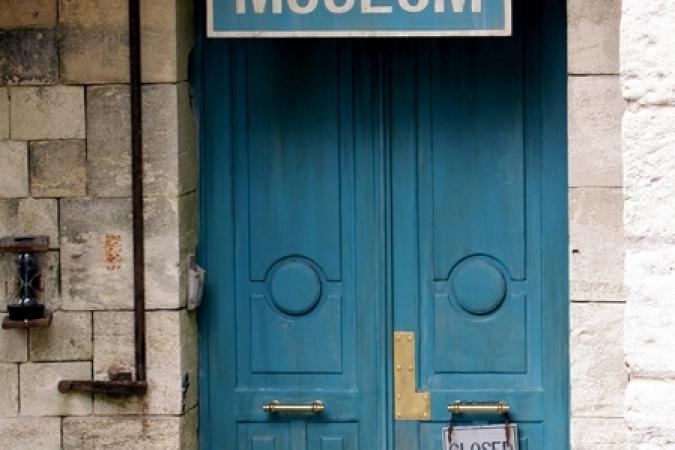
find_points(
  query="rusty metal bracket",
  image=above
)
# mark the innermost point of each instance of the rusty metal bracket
(121, 383)
(409, 404)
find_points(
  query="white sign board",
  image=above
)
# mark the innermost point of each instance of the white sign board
(352, 18)
(488, 437)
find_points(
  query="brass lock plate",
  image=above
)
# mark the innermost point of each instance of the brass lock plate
(409, 404)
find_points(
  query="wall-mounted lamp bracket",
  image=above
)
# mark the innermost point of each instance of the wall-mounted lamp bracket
(119, 383)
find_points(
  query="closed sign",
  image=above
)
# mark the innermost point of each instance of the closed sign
(489, 437)
(290, 18)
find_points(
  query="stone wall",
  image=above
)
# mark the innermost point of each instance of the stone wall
(648, 81)
(65, 172)
(599, 374)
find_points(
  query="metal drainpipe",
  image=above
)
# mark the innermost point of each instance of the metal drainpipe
(120, 383)
(137, 184)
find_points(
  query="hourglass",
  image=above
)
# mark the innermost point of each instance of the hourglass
(23, 291)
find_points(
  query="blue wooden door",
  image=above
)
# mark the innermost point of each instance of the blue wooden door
(478, 230)
(353, 190)
(294, 309)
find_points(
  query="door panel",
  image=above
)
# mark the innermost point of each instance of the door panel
(303, 216)
(354, 188)
(468, 153)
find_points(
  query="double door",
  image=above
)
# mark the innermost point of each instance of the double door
(384, 230)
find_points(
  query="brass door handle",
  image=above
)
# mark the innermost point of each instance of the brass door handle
(275, 406)
(460, 407)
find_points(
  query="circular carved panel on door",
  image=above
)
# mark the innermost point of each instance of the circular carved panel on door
(479, 287)
(295, 287)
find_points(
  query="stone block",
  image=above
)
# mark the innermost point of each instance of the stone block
(171, 354)
(67, 339)
(95, 55)
(647, 59)
(4, 113)
(190, 358)
(28, 56)
(189, 425)
(649, 174)
(170, 235)
(168, 36)
(14, 170)
(596, 243)
(599, 434)
(34, 433)
(94, 47)
(95, 43)
(650, 310)
(593, 36)
(160, 140)
(599, 374)
(185, 40)
(163, 268)
(9, 394)
(23, 14)
(596, 108)
(96, 254)
(170, 157)
(55, 112)
(188, 224)
(650, 412)
(108, 141)
(57, 168)
(187, 142)
(8, 282)
(30, 216)
(113, 342)
(13, 344)
(152, 433)
(39, 393)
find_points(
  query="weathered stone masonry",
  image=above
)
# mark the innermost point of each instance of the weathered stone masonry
(648, 81)
(599, 375)
(65, 172)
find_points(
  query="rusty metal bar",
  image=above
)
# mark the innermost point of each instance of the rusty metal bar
(137, 185)
(121, 384)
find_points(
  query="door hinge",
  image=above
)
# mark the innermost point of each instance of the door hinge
(409, 404)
